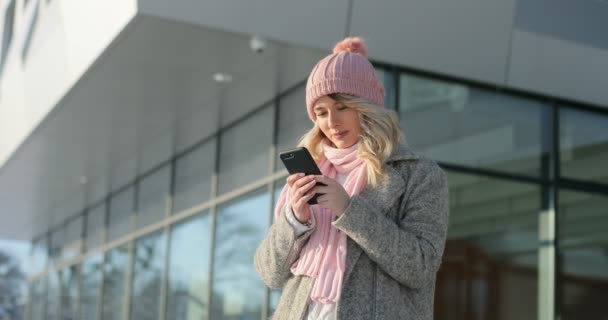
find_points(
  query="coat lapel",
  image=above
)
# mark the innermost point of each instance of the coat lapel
(382, 197)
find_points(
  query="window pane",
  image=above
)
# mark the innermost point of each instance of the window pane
(293, 122)
(237, 290)
(53, 291)
(38, 302)
(57, 239)
(39, 255)
(121, 213)
(387, 79)
(95, 226)
(584, 145)
(152, 197)
(456, 124)
(69, 292)
(149, 265)
(89, 293)
(189, 273)
(73, 234)
(489, 268)
(193, 177)
(245, 149)
(115, 278)
(584, 246)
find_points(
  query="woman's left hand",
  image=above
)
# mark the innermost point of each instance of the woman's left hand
(333, 197)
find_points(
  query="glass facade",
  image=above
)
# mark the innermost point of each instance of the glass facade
(158, 248)
(237, 290)
(188, 277)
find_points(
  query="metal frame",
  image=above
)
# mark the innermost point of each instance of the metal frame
(550, 181)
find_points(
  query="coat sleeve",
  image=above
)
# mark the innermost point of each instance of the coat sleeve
(411, 249)
(278, 251)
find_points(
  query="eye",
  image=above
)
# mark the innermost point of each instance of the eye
(320, 114)
(342, 107)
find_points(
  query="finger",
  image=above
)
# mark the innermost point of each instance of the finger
(293, 178)
(323, 189)
(303, 181)
(305, 188)
(323, 179)
(304, 199)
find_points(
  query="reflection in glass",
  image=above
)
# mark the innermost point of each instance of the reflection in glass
(114, 282)
(244, 151)
(95, 224)
(583, 145)
(72, 242)
(53, 291)
(38, 303)
(189, 269)
(193, 174)
(293, 122)
(69, 292)
(457, 124)
(489, 268)
(147, 276)
(56, 243)
(152, 197)
(388, 81)
(39, 255)
(241, 225)
(89, 292)
(583, 241)
(121, 212)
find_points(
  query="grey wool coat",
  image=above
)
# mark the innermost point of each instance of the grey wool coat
(395, 239)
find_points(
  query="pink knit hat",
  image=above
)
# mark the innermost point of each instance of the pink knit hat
(347, 71)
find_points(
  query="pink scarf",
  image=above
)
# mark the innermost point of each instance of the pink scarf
(324, 256)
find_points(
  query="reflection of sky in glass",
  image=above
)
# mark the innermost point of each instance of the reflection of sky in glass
(584, 145)
(456, 124)
(149, 261)
(115, 271)
(241, 225)
(91, 279)
(52, 296)
(188, 272)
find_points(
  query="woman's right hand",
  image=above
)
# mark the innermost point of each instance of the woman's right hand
(299, 187)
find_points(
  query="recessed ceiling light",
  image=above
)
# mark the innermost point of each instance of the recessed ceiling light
(222, 77)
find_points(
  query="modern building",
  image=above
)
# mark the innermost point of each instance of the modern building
(139, 141)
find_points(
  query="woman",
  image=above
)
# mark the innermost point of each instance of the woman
(371, 247)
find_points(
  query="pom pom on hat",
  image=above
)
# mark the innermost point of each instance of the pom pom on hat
(346, 71)
(352, 44)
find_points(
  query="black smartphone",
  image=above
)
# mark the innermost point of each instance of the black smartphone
(299, 160)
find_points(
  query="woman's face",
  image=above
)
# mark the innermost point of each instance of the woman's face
(339, 123)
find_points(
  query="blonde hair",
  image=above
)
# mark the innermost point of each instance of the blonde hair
(380, 135)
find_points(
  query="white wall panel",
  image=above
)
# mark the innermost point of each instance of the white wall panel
(467, 38)
(68, 36)
(314, 23)
(559, 68)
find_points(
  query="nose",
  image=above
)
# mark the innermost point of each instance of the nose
(332, 120)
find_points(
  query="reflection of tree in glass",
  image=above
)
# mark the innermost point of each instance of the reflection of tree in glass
(241, 225)
(91, 279)
(149, 259)
(115, 270)
(12, 280)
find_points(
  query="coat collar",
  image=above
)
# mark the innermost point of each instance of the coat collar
(402, 152)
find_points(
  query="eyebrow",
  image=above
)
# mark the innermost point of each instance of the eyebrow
(321, 107)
